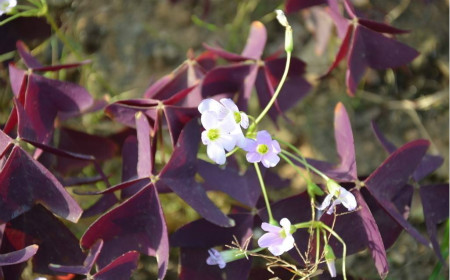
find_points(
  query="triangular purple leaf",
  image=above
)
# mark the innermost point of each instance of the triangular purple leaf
(179, 175)
(18, 256)
(120, 268)
(435, 209)
(144, 160)
(25, 182)
(256, 41)
(292, 6)
(137, 224)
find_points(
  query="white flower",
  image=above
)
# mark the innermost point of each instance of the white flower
(6, 6)
(277, 239)
(329, 259)
(263, 149)
(282, 18)
(217, 136)
(341, 196)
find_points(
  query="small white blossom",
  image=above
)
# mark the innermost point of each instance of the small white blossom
(341, 195)
(217, 136)
(6, 6)
(263, 149)
(277, 239)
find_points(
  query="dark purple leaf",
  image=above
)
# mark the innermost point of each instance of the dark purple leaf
(292, 6)
(137, 224)
(204, 234)
(244, 188)
(344, 143)
(137, 184)
(225, 54)
(56, 242)
(46, 97)
(388, 227)
(25, 182)
(372, 49)
(343, 50)
(385, 182)
(256, 41)
(380, 27)
(179, 175)
(18, 80)
(98, 147)
(29, 60)
(129, 158)
(18, 256)
(177, 118)
(144, 160)
(120, 268)
(87, 264)
(435, 209)
(5, 142)
(387, 145)
(104, 203)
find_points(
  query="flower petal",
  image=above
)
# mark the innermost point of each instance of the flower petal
(270, 160)
(276, 146)
(216, 153)
(347, 199)
(263, 137)
(249, 145)
(244, 120)
(209, 120)
(270, 239)
(229, 104)
(326, 202)
(227, 141)
(286, 224)
(270, 228)
(213, 106)
(253, 157)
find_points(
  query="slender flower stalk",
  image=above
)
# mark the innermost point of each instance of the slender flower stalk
(272, 221)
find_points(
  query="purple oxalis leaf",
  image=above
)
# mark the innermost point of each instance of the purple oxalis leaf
(244, 188)
(428, 164)
(39, 226)
(385, 182)
(136, 224)
(18, 256)
(87, 264)
(292, 6)
(145, 159)
(120, 268)
(25, 182)
(435, 209)
(179, 175)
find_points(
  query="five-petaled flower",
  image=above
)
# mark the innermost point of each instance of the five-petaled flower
(6, 6)
(277, 239)
(263, 149)
(215, 258)
(341, 196)
(217, 136)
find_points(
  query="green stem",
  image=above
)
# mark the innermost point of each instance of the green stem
(299, 171)
(277, 91)
(266, 198)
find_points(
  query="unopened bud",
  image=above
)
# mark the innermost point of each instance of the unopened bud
(282, 18)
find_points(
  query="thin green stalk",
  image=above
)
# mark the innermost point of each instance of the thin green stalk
(292, 147)
(277, 91)
(266, 198)
(299, 171)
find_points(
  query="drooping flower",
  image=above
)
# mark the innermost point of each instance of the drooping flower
(217, 136)
(277, 239)
(282, 18)
(215, 258)
(341, 195)
(222, 258)
(263, 149)
(6, 6)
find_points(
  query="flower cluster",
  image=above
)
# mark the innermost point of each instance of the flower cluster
(223, 123)
(341, 195)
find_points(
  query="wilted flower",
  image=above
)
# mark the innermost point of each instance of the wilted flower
(6, 6)
(217, 136)
(282, 18)
(341, 196)
(263, 149)
(277, 239)
(222, 258)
